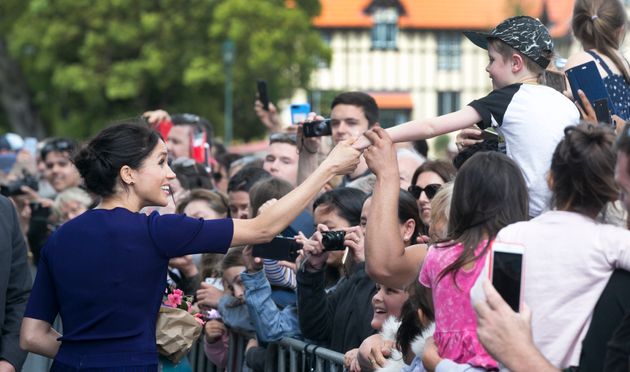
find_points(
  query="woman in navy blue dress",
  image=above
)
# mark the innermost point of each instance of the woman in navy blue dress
(103, 272)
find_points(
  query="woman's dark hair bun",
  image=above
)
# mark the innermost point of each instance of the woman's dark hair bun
(99, 161)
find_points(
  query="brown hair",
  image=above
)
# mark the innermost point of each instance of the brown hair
(506, 52)
(216, 200)
(442, 168)
(596, 24)
(267, 189)
(583, 169)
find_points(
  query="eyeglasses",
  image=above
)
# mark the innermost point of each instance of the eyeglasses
(429, 190)
(57, 145)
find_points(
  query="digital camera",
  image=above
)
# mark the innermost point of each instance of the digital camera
(333, 240)
(317, 128)
(15, 187)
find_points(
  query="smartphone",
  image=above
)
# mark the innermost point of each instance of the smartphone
(586, 77)
(299, 112)
(280, 248)
(215, 282)
(489, 134)
(506, 272)
(262, 93)
(602, 112)
(555, 80)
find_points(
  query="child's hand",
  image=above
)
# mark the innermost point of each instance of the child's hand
(214, 329)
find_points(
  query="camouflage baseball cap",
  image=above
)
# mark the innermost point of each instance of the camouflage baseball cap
(523, 33)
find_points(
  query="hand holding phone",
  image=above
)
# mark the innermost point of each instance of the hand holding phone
(587, 78)
(263, 95)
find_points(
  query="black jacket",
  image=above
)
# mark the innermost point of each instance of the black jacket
(15, 284)
(341, 319)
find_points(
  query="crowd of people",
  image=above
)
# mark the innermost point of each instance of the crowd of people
(355, 241)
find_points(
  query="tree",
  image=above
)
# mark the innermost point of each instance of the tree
(90, 62)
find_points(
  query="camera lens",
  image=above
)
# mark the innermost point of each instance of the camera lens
(333, 240)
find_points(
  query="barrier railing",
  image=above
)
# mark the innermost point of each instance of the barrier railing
(286, 355)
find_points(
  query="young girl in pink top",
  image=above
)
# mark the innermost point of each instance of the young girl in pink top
(489, 193)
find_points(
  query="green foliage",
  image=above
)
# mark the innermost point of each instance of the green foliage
(90, 62)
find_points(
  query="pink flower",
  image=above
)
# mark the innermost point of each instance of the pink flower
(174, 299)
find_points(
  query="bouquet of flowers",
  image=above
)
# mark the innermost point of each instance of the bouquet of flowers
(177, 328)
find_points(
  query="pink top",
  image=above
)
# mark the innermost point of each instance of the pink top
(455, 320)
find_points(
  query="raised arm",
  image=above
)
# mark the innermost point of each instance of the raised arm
(428, 128)
(343, 159)
(387, 261)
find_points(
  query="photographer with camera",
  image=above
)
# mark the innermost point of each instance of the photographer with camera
(339, 319)
(352, 113)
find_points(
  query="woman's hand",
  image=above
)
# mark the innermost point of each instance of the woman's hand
(350, 360)
(381, 155)
(343, 159)
(314, 248)
(354, 240)
(468, 137)
(156, 116)
(214, 330)
(373, 352)
(208, 296)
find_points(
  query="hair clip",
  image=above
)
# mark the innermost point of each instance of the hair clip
(594, 17)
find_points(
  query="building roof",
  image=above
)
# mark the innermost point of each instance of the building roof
(448, 14)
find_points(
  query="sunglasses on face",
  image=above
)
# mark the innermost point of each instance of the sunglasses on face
(429, 190)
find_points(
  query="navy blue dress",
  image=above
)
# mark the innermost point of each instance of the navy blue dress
(103, 273)
(617, 87)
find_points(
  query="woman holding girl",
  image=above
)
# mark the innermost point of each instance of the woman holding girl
(104, 271)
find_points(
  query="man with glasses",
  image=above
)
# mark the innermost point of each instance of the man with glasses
(282, 157)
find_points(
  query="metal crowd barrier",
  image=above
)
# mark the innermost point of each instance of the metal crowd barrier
(286, 355)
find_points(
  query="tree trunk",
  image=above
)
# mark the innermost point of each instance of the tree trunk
(15, 98)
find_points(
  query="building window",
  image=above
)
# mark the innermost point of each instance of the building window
(390, 117)
(447, 102)
(385, 28)
(449, 50)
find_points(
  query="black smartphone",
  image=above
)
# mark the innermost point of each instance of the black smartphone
(602, 111)
(317, 128)
(489, 134)
(586, 77)
(279, 248)
(507, 272)
(263, 96)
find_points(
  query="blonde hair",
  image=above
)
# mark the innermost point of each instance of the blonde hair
(441, 204)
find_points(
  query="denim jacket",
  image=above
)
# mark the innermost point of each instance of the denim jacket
(270, 322)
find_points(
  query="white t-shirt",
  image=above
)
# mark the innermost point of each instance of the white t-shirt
(531, 119)
(568, 261)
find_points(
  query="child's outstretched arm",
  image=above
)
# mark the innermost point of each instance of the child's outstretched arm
(428, 128)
